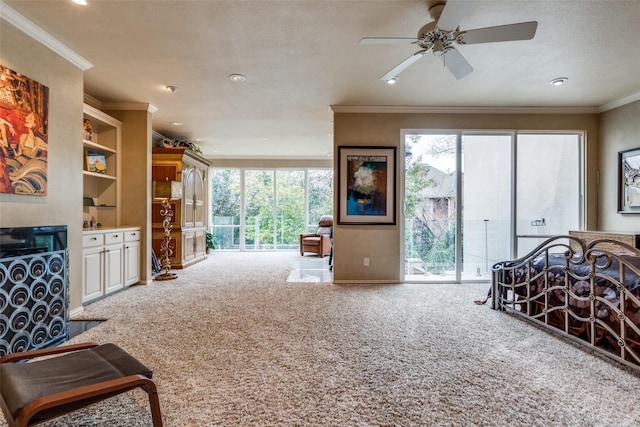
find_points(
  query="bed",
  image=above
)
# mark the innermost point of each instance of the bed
(584, 287)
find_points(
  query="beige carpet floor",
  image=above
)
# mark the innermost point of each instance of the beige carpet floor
(233, 343)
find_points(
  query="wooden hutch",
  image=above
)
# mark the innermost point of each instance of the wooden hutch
(190, 212)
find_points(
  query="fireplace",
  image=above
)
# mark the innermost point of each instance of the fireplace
(34, 287)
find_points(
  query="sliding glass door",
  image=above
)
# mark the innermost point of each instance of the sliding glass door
(474, 198)
(487, 200)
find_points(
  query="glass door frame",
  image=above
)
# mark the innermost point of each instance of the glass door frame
(513, 236)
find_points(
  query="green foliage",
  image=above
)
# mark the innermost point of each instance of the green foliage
(442, 254)
(210, 241)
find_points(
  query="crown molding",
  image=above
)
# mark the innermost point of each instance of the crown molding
(390, 109)
(619, 103)
(32, 30)
(94, 102)
(131, 106)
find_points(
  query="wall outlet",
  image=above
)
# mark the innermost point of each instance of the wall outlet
(366, 261)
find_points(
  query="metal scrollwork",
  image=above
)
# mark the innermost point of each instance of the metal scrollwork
(34, 301)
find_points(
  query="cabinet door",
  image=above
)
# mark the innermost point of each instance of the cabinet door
(199, 198)
(92, 273)
(113, 267)
(188, 246)
(188, 182)
(131, 263)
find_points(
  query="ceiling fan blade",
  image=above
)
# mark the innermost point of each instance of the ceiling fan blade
(403, 65)
(501, 33)
(452, 14)
(387, 40)
(455, 63)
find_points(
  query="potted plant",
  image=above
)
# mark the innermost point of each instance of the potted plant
(210, 241)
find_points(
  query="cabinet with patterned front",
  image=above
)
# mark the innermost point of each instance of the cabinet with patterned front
(189, 222)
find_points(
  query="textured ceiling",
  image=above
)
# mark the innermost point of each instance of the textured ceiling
(301, 57)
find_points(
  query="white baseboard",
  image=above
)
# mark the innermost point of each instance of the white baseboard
(76, 311)
(366, 282)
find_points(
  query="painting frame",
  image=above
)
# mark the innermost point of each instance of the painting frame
(366, 185)
(629, 181)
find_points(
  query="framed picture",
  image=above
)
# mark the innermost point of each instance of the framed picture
(629, 181)
(96, 162)
(366, 185)
(24, 124)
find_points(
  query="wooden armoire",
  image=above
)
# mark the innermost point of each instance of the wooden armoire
(190, 220)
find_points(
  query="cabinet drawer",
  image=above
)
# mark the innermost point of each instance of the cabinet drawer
(113, 237)
(90, 240)
(131, 236)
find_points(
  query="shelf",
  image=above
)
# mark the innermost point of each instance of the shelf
(96, 146)
(99, 175)
(102, 188)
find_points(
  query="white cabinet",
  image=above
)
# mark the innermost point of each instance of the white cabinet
(110, 261)
(131, 257)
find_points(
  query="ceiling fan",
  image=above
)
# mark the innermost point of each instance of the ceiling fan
(440, 36)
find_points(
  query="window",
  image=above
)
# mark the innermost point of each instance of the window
(267, 209)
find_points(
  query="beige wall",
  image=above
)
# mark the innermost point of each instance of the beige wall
(135, 178)
(62, 204)
(381, 244)
(620, 130)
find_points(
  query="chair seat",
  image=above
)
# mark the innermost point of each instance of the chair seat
(22, 383)
(311, 240)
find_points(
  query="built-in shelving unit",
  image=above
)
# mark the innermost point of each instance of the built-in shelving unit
(101, 190)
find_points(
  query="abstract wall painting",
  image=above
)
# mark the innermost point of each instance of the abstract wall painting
(24, 110)
(366, 185)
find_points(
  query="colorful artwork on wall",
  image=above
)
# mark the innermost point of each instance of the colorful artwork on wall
(366, 183)
(24, 110)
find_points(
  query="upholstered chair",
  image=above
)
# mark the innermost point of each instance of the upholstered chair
(319, 242)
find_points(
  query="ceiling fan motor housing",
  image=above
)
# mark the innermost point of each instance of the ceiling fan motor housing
(430, 36)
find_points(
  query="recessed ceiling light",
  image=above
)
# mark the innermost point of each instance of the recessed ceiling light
(177, 123)
(80, 2)
(559, 81)
(392, 81)
(238, 78)
(172, 89)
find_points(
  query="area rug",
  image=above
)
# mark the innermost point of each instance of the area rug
(233, 343)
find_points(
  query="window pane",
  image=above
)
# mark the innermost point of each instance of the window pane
(290, 208)
(320, 195)
(548, 187)
(225, 208)
(487, 203)
(259, 205)
(430, 200)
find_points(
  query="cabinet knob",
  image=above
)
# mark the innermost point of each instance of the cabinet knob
(94, 238)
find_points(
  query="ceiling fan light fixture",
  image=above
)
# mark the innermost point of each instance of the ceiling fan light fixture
(237, 78)
(558, 81)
